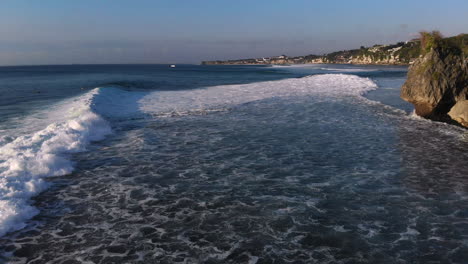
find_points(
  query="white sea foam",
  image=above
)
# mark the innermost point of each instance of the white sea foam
(31, 152)
(315, 65)
(325, 85)
(349, 69)
(323, 68)
(27, 159)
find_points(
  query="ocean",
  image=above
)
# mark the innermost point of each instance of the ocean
(225, 164)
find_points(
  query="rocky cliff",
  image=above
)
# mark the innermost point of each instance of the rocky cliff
(437, 83)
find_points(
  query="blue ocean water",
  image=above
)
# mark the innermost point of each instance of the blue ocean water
(225, 164)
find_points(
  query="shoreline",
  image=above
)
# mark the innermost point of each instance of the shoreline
(295, 64)
(298, 64)
(401, 53)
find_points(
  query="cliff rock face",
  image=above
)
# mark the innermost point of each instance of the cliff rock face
(459, 112)
(436, 82)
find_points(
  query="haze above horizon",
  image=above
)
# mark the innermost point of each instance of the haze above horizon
(187, 31)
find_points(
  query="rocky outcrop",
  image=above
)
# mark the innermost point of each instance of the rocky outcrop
(436, 82)
(459, 113)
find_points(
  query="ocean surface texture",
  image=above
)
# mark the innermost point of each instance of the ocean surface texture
(225, 164)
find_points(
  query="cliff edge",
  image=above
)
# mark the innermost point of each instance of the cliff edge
(438, 80)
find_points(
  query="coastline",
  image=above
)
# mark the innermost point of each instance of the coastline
(311, 63)
(401, 53)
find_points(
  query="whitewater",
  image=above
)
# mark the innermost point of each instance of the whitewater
(27, 159)
(315, 164)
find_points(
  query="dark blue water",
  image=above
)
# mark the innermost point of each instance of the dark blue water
(222, 164)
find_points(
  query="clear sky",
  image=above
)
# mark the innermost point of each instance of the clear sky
(188, 31)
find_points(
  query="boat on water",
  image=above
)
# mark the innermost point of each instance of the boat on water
(172, 66)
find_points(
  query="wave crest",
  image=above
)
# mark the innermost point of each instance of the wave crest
(26, 160)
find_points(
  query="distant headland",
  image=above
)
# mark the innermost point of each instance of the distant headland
(401, 53)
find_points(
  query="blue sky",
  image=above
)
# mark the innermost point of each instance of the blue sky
(188, 31)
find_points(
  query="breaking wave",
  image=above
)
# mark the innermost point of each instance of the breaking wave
(324, 85)
(36, 153)
(27, 159)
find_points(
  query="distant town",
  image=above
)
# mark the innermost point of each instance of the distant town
(401, 53)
